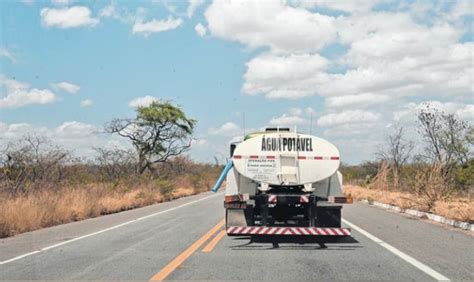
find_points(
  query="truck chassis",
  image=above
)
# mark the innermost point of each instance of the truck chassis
(284, 215)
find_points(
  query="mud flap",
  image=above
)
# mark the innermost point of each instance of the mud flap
(329, 216)
(235, 217)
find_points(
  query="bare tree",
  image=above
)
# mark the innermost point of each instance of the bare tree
(448, 139)
(160, 131)
(31, 162)
(396, 151)
(114, 164)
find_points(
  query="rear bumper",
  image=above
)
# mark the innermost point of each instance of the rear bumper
(287, 231)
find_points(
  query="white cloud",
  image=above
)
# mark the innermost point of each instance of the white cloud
(293, 117)
(78, 137)
(352, 130)
(60, 2)
(76, 16)
(5, 53)
(389, 54)
(360, 100)
(16, 130)
(19, 94)
(461, 8)
(348, 117)
(238, 138)
(295, 111)
(199, 143)
(380, 61)
(400, 35)
(86, 103)
(392, 54)
(200, 29)
(356, 149)
(3, 127)
(409, 111)
(309, 111)
(193, 5)
(109, 11)
(146, 28)
(170, 6)
(142, 101)
(466, 113)
(227, 129)
(75, 129)
(353, 6)
(292, 76)
(66, 86)
(123, 13)
(270, 24)
(285, 120)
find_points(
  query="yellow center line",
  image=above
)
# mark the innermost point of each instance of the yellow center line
(209, 247)
(175, 263)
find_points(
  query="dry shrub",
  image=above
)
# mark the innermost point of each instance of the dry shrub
(381, 179)
(30, 211)
(399, 199)
(430, 186)
(166, 188)
(453, 208)
(19, 215)
(457, 209)
(43, 185)
(182, 192)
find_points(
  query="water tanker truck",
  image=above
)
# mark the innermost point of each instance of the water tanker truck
(283, 183)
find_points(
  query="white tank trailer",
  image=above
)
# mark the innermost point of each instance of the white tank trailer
(282, 183)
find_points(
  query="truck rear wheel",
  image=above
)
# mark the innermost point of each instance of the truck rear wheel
(250, 215)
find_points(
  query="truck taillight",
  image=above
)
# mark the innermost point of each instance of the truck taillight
(340, 200)
(236, 201)
(304, 199)
(231, 199)
(272, 199)
(236, 205)
(236, 198)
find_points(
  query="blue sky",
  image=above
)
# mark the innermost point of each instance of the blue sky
(67, 67)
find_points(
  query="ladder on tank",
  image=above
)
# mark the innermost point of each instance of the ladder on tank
(289, 167)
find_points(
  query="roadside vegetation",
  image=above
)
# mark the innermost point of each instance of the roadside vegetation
(42, 184)
(432, 172)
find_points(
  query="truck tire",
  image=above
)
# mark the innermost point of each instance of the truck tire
(249, 215)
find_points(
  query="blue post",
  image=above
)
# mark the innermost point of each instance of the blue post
(221, 178)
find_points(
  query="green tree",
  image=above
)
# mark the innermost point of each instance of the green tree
(159, 131)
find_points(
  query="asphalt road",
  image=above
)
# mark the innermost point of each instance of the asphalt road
(183, 240)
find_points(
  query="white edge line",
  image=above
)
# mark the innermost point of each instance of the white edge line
(421, 266)
(103, 230)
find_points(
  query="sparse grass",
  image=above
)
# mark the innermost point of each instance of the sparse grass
(457, 209)
(454, 208)
(30, 211)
